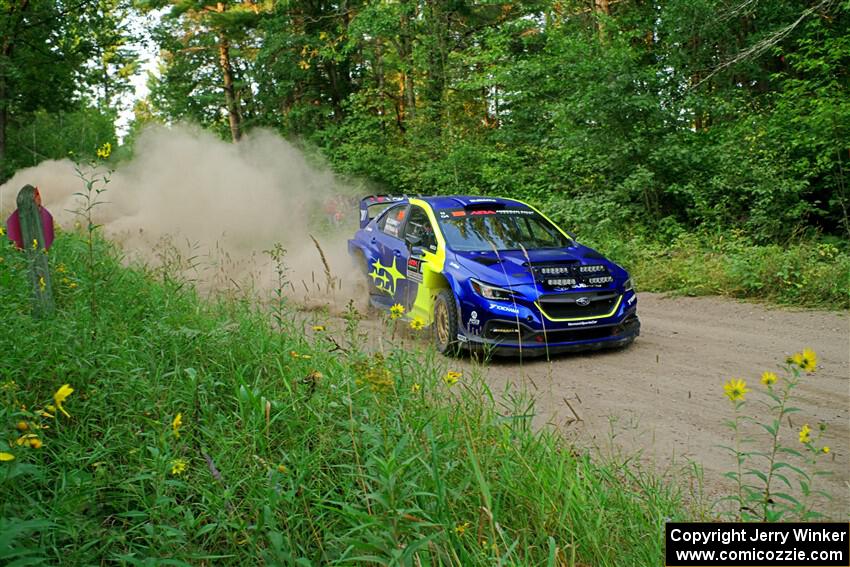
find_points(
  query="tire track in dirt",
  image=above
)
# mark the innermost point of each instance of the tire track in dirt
(663, 395)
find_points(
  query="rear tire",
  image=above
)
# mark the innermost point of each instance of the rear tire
(446, 323)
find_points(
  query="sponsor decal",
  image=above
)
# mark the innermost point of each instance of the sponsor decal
(582, 323)
(505, 308)
(414, 270)
(454, 265)
(459, 213)
(384, 199)
(631, 299)
(462, 338)
(385, 277)
(391, 227)
(480, 200)
(473, 319)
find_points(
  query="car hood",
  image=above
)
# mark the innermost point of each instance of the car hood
(511, 267)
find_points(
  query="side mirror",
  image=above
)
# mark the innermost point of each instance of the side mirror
(416, 251)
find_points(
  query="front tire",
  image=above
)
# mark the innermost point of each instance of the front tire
(446, 323)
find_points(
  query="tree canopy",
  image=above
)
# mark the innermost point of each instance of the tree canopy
(666, 115)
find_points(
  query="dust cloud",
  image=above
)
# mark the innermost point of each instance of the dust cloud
(191, 203)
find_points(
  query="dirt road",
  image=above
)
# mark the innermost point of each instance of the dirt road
(663, 396)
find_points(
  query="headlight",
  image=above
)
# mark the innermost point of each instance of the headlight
(628, 285)
(491, 292)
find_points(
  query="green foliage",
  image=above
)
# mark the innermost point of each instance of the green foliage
(804, 273)
(58, 64)
(57, 135)
(295, 452)
(706, 115)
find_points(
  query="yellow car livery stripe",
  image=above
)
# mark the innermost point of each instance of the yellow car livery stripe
(616, 306)
(432, 269)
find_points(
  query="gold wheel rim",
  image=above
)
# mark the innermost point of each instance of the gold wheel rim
(441, 322)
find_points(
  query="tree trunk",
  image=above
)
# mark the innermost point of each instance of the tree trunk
(233, 115)
(406, 56)
(602, 9)
(435, 85)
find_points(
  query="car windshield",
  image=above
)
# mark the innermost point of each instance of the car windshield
(502, 229)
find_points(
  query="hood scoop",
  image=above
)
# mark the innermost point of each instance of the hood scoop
(550, 263)
(486, 260)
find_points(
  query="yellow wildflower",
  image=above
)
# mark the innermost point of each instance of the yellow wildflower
(61, 395)
(6, 457)
(809, 360)
(805, 434)
(35, 443)
(178, 466)
(460, 529)
(22, 426)
(61, 268)
(35, 243)
(396, 311)
(104, 151)
(41, 283)
(825, 449)
(768, 378)
(417, 324)
(175, 425)
(806, 360)
(303, 64)
(2, 233)
(26, 439)
(72, 285)
(318, 328)
(282, 469)
(452, 377)
(735, 389)
(415, 388)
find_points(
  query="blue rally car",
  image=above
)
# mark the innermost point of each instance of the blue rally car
(494, 273)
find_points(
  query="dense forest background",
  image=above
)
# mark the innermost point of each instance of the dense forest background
(664, 117)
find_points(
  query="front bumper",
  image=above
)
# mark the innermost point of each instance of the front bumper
(546, 342)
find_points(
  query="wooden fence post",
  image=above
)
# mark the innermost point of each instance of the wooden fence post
(32, 233)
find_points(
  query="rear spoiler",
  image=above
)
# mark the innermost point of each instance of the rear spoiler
(372, 200)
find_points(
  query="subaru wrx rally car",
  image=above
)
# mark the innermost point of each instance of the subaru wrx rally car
(492, 272)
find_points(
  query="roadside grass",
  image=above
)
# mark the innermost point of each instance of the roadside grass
(808, 273)
(298, 450)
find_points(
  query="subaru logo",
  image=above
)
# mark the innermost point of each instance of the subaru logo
(583, 301)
